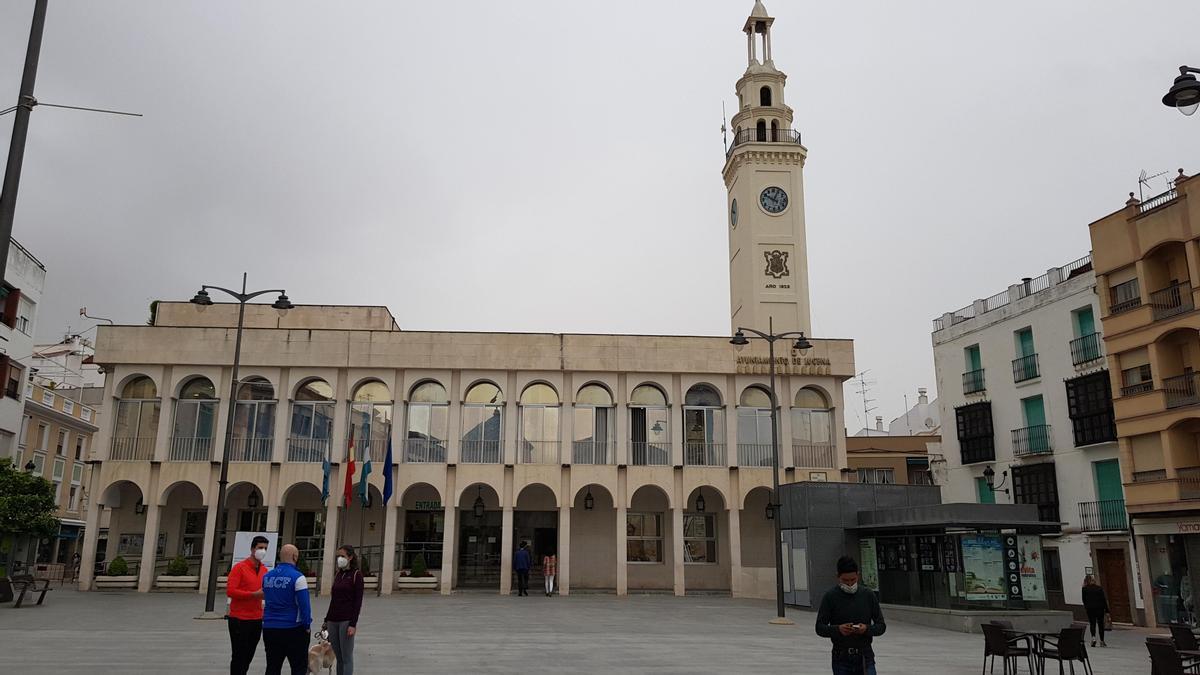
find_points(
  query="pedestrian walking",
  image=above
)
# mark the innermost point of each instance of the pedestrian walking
(850, 616)
(549, 569)
(287, 615)
(1095, 602)
(345, 602)
(521, 564)
(243, 587)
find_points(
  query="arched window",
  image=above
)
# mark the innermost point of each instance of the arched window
(812, 429)
(483, 424)
(764, 96)
(594, 426)
(754, 428)
(703, 427)
(539, 425)
(371, 420)
(761, 131)
(774, 131)
(311, 434)
(649, 427)
(428, 423)
(253, 421)
(195, 419)
(136, 423)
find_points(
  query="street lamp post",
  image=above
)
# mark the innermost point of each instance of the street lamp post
(202, 300)
(1184, 94)
(802, 344)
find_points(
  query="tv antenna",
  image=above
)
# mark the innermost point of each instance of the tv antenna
(724, 129)
(864, 388)
(1144, 183)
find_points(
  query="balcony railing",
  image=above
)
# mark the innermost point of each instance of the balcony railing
(754, 454)
(482, 452)
(307, 449)
(1086, 348)
(1025, 368)
(704, 454)
(1189, 482)
(1181, 390)
(813, 455)
(132, 448)
(407, 551)
(973, 382)
(424, 451)
(250, 449)
(642, 453)
(1171, 301)
(537, 452)
(1151, 475)
(1125, 297)
(763, 136)
(593, 452)
(374, 449)
(1157, 200)
(1137, 388)
(191, 449)
(1103, 515)
(1035, 440)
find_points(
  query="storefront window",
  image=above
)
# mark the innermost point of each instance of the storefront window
(1174, 599)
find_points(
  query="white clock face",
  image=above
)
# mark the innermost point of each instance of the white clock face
(733, 213)
(773, 199)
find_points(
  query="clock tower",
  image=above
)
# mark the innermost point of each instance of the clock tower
(764, 178)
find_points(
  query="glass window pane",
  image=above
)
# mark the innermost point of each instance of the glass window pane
(198, 388)
(658, 425)
(429, 392)
(484, 392)
(801, 425)
(255, 389)
(539, 393)
(810, 398)
(140, 387)
(755, 397)
(651, 550)
(439, 422)
(822, 426)
(585, 420)
(594, 394)
(315, 390)
(185, 419)
(648, 395)
(702, 395)
(747, 426)
(635, 525)
(372, 391)
(418, 421)
(148, 424)
(302, 420)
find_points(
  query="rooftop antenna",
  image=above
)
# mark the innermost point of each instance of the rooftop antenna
(724, 136)
(1144, 182)
(864, 387)
(84, 314)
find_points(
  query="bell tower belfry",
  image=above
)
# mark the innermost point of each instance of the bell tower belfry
(764, 178)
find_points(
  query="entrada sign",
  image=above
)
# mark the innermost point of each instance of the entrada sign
(427, 505)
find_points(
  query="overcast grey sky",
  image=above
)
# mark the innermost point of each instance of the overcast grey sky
(555, 166)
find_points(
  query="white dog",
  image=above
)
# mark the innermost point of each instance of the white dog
(320, 655)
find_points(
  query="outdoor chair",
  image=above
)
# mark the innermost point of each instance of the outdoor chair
(1066, 649)
(1164, 659)
(1185, 641)
(1006, 625)
(26, 583)
(997, 643)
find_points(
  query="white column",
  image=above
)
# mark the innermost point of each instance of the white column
(449, 536)
(271, 496)
(149, 545)
(677, 545)
(87, 561)
(166, 413)
(506, 550)
(332, 515)
(454, 432)
(283, 418)
(735, 550)
(622, 550)
(509, 451)
(564, 550)
(677, 428)
(210, 532)
(391, 516)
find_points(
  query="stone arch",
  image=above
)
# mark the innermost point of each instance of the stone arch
(600, 495)
(484, 382)
(755, 493)
(237, 495)
(370, 380)
(421, 486)
(666, 400)
(185, 486)
(713, 496)
(535, 383)
(595, 383)
(112, 497)
(699, 395)
(423, 382)
(119, 390)
(192, 380)
(465, 499)
(651, 489)
(824, 394)
(538, 495)
(301, 485)
(312, 388)
(764, 96)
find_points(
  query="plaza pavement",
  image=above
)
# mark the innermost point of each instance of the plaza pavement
(482, 632)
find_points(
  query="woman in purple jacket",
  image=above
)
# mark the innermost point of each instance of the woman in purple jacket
(345, 602)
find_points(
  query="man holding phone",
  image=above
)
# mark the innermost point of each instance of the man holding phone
(850, 616)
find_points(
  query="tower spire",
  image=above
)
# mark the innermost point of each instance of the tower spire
(759, 23)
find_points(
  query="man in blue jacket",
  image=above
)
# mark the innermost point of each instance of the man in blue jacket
(287, 614)
(521, 564)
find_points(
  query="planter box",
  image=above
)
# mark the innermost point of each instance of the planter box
(371, 582)
(417, 583)
(189, 583)
(107, 583)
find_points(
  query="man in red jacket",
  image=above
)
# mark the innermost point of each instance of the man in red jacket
(244, 589)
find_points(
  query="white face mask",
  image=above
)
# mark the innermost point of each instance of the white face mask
(260, 554)
(343, 562)
(852, 588)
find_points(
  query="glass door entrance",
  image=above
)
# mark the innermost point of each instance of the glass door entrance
(479, 551)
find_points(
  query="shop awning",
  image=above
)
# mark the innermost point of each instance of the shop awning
(940, 517)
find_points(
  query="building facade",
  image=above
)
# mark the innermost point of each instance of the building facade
(1022, 381)
(642, 462)
(1147, 261)
(25, 277)
(891, 460)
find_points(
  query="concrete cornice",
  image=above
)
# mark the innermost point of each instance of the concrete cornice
(779, 154)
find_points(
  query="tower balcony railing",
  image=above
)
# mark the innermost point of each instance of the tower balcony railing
(1032, 440)
(481, 451)
(755, 454)
(1086, 349)
(703, 454)
(424, 451)
(745, 136)
(1026, 368)
(593, 452)
(132, 448)
(191, 449)
(250, 449)
(537, 452)
(645, 453)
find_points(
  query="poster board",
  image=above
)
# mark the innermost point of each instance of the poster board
(983, 568)
(867, 563)
(241, 546)
(1033, 581)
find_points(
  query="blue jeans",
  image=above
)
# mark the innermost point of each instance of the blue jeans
(859, 664)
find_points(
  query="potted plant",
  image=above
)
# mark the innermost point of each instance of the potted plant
(176, 576)
(418, 577)
(117, 576)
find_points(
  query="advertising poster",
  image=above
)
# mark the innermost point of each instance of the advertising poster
(1012, 569)
(1033, 584)
(983, 568)
(868, 564)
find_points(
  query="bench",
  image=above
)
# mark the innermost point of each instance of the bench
(18, 586)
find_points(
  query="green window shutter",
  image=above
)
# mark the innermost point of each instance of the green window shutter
(1108, 480)
(974, 362)
(1085, 322)
(1025, 342)
(986, 494)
